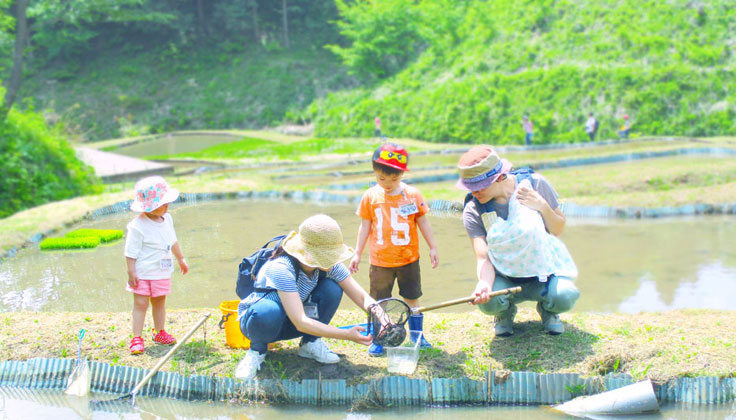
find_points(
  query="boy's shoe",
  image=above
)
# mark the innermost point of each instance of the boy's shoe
(162, 337)
(550, 321)
(376, 350)
(505, 322)
(136, 345)
(318, 351)
(250, 365)
(416, 323)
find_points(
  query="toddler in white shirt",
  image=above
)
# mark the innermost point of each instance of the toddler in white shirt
(150, 246)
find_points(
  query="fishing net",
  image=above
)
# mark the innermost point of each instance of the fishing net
(386, 319)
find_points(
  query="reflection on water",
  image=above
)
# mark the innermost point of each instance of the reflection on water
(631, 266)
(16, 403)
(171, 144)
(708, 291)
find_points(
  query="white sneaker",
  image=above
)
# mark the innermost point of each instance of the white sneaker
(318, 351)
(249, 366)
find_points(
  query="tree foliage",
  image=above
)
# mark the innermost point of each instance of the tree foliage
(38, 165)
(483, 64)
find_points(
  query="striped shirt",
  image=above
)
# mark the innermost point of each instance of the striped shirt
(279, 274)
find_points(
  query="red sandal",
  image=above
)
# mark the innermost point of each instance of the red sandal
(162, 337)
(136, 345)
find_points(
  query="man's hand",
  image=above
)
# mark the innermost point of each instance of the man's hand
(481, 293)
(532, 199)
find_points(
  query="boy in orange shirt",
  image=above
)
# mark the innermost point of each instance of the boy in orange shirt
(391, 211)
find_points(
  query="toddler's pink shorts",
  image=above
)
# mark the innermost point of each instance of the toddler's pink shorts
(152, 288)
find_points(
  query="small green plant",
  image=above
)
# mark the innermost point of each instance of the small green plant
(64, 353)
(69, 243)
(624, 330)
(530, 362)
(473, 367)
(105, 235)
(641, 372)
(278, 368)
(576, 390)
(440, 326)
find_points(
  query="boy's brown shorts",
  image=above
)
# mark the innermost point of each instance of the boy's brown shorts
(407, 276)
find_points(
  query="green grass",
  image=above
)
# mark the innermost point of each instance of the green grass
(69, 243)
(119, 95)
(259, 149)
(105, 235)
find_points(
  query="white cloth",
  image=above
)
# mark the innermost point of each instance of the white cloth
(521, 247)
(590, 125)
(149, 243)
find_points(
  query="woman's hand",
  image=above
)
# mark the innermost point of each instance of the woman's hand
(532, 199)
(355, 334)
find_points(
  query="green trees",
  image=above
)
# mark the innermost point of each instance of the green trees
(478, 66)
(37, 164)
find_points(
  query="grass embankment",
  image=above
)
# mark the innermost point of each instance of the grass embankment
(133, 94)
(654, 345)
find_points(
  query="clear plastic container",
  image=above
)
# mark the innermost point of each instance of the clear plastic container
(403, 359)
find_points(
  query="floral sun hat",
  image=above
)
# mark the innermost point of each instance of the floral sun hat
(318, 243)
(151, 193)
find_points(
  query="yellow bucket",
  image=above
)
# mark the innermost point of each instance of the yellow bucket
(233, 336)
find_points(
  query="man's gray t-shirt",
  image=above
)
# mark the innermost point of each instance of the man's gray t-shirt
(474, 222)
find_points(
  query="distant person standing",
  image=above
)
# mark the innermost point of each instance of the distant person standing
(377, 131)
(591, 126)
(528, 129)
(623, 132)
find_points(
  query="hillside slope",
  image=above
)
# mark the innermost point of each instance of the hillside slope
(481, 65)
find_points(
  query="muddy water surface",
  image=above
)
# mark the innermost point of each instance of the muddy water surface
(629, 266)
(27, 404)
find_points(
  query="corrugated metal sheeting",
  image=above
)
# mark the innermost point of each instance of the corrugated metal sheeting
(497, 387)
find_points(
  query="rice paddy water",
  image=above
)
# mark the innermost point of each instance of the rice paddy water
(625, 265)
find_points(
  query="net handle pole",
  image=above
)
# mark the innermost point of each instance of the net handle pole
(501, 292)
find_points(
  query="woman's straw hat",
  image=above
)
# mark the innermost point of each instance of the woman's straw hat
(479, 167)
(318, 243)
(151, 193)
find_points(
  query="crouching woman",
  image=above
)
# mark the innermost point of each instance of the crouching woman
(297, 293)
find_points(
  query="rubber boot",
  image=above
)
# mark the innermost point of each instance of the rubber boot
(376, 350)
(415, 324)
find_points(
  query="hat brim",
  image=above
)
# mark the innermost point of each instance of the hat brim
(393, 165)
(171, 195)
(318, 257)
(484, 183)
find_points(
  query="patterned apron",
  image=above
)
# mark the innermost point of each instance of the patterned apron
(521, 247)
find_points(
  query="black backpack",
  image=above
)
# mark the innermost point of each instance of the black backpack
(249, 267)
